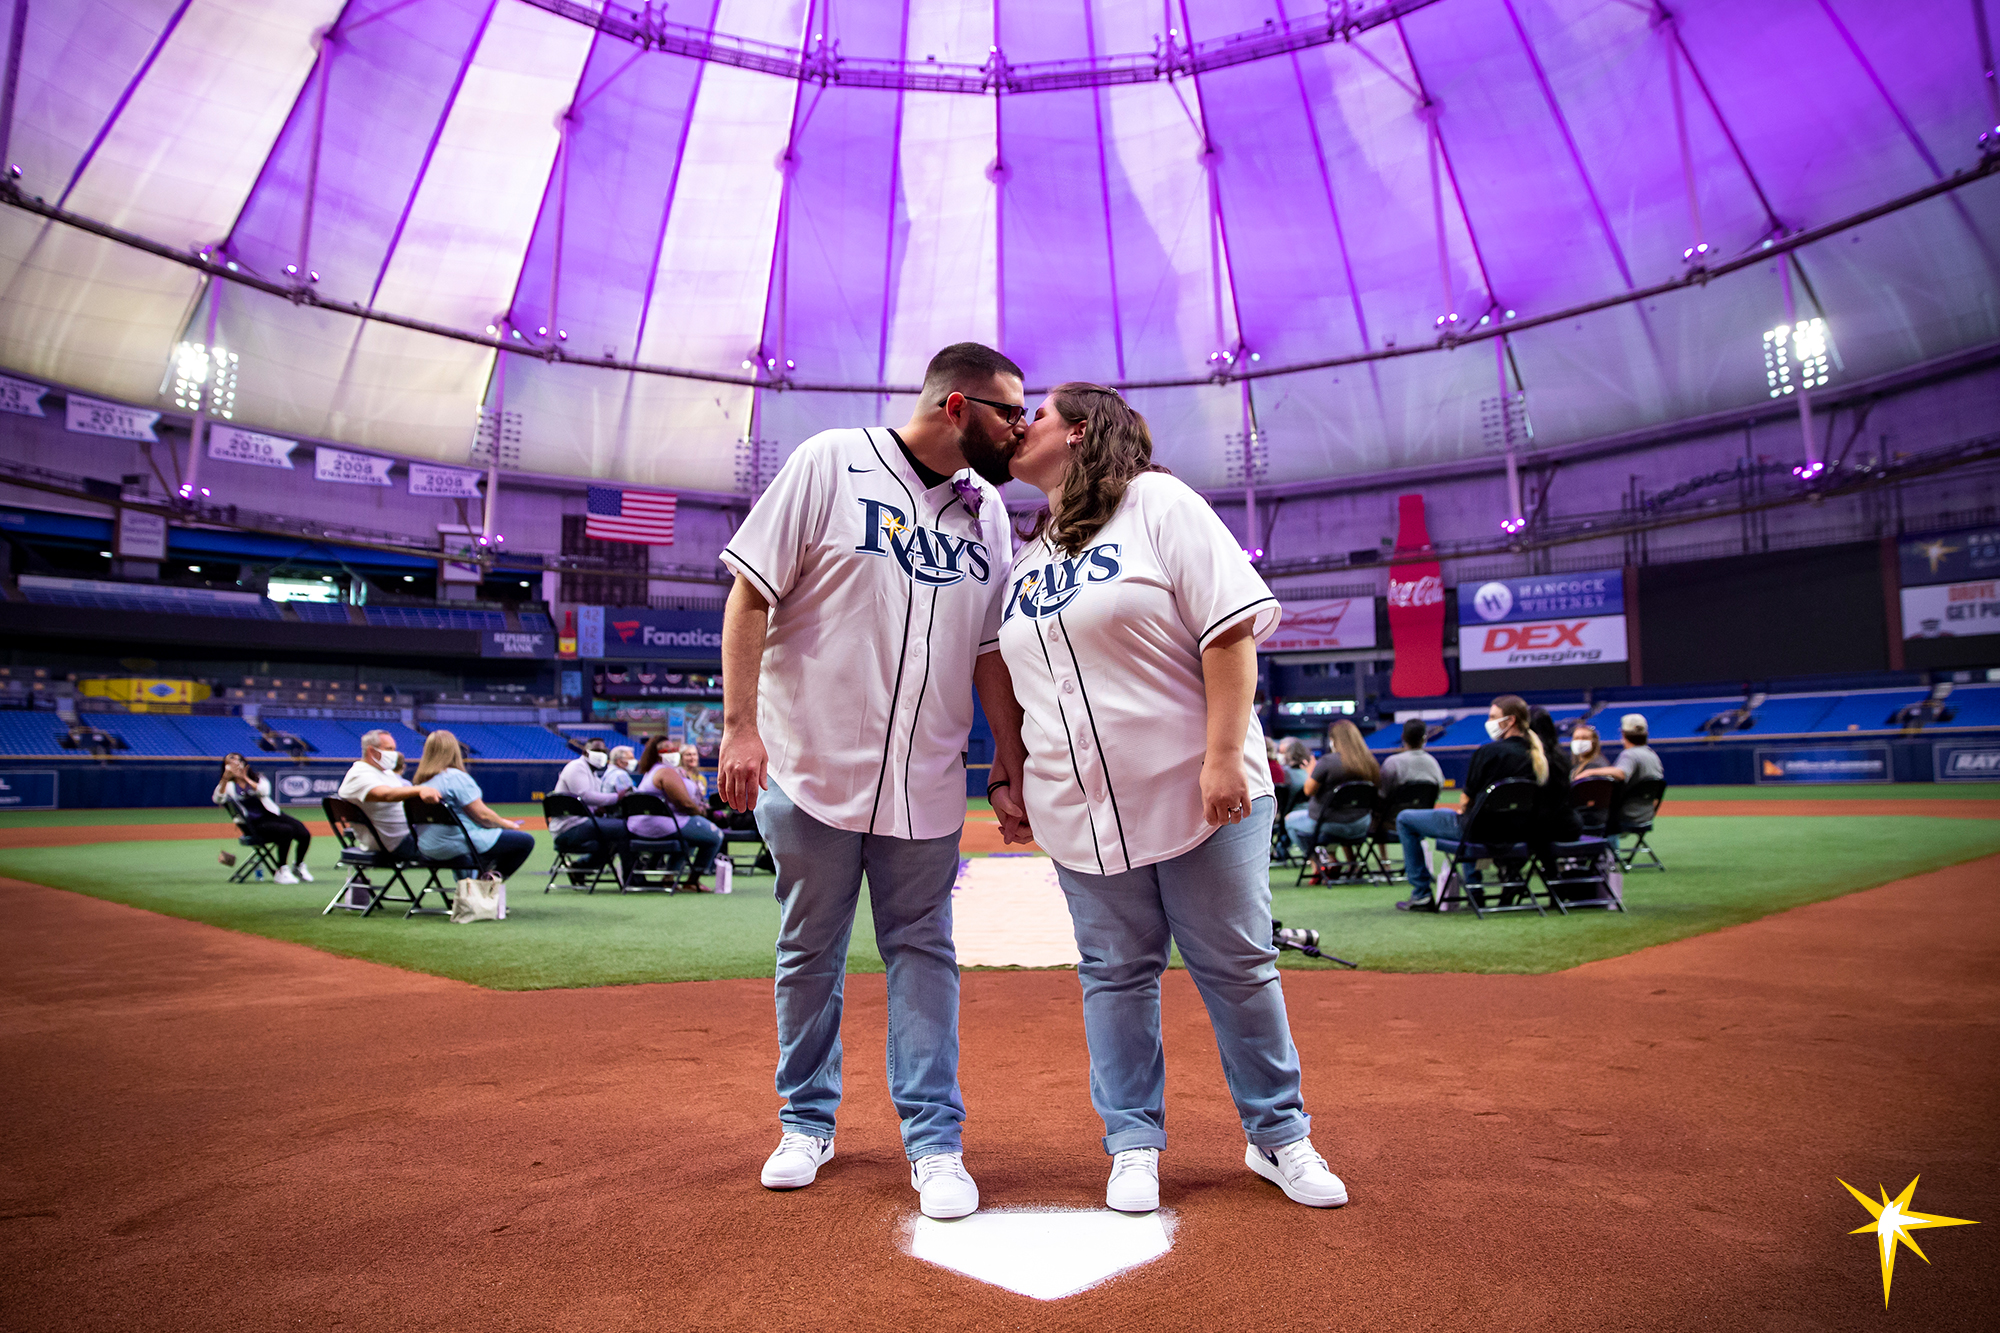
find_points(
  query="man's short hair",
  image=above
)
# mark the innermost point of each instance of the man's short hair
(1633, 724)
(1414, 733)
(963, 364)
(372, 739)
(594, 744)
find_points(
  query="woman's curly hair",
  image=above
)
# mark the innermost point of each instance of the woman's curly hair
(1116, 447)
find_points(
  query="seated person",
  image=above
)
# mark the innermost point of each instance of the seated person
(1585, 750)
(1513, 751)
(1636, 762)
(592, 778)
(1555, 816)
(623, 767)
(1346, 760)
(1296, 762)
(1412, 763)
(688, 822)
(265, 822)
(374, 784)
(498, 839)
(691, 774)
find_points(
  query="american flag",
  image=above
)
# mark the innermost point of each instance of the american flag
(642, 517)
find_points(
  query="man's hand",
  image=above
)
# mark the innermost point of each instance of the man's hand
(1225, 790)
(741, 769)
(429, 794)
(1006, 800)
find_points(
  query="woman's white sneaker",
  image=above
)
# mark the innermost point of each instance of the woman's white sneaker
(797, 1161)
(305, 875)
(1300, 1172)
(284, 875)
(942, 1185)
(1135, 1181)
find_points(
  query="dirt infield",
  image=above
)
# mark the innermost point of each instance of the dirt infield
(982, 830)
(206, 1130)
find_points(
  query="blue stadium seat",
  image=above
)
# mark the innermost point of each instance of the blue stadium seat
(30, 731)
(1869, 711)
(535, 622)
(1783, 715)
(1975, 706)
(427, 617)
(321, 613)
(216, 736)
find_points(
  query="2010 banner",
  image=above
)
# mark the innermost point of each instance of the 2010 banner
(246, 446)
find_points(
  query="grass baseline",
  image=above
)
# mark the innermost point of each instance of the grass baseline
(1725, 871)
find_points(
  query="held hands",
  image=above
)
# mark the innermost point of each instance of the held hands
(1003, 790)
(741, 769)
(1225, 790)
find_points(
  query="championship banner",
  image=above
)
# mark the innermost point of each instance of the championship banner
(21, 397)
(88, 416)
(231, 445)
(1416, 607)
(1346, 622)
(450, 483)
(353, 469)
(141, 535)
(1512, 645)
(1543, 597)
(1952, 610)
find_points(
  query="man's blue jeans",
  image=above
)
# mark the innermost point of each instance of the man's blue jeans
(909, 892)
(1412, 827)
(1215, 902)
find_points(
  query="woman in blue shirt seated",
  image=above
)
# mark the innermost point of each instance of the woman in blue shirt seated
(498, 839)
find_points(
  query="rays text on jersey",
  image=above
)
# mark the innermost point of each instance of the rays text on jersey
(1048, 588)
(927, 556)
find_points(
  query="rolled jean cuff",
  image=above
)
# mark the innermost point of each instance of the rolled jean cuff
(932, 1147)
(1146, 1136)
(1271, 1140)
(794, 1126)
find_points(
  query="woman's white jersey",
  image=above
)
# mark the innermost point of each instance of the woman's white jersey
(1105, 651)
(883, 595)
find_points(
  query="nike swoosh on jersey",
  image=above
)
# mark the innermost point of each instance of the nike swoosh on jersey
(852, 468)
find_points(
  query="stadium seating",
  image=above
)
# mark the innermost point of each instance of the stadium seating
(534, 622)
(428, 617)
(132, 597)
(31, 731)
(321, 613)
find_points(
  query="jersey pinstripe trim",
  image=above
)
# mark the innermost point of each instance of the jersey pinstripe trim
(1224, 622)
(756, 575)
(1096, 843)
(902, 662)
(1110, 787)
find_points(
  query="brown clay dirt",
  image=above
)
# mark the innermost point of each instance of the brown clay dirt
(210, 1131)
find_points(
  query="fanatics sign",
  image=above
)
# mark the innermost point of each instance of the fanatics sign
(1511, 645)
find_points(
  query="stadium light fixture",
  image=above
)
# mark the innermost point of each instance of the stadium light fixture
(1795, 357)
(200, 369)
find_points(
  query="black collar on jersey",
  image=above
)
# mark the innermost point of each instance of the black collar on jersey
(930, 477)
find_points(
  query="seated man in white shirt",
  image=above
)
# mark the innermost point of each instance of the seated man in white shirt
(592, 778)
(374, 783)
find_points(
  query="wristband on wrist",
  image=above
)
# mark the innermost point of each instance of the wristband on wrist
(992, 787)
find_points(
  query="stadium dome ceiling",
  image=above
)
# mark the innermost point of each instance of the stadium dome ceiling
(791, 204)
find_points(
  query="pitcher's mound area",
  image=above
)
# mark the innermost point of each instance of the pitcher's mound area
(210, 1131)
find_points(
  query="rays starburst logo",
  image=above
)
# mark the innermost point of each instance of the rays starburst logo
(1894, 1221)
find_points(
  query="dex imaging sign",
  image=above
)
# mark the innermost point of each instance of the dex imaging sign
(1545, 621)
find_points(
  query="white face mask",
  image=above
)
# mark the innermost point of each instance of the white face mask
(597, 759)
(1492, 728)
(1579, 745)
(389, 761)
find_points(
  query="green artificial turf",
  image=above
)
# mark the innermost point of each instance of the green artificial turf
(1724, 870)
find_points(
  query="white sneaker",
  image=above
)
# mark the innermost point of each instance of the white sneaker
(1135, 1181)
(1300, 1172)
(797, 1161)
(941, 1182)
(284, 876)
(304, 874)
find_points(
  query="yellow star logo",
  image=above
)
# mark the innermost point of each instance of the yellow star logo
(1936, 551)
(1894, 1221)
(894, 526)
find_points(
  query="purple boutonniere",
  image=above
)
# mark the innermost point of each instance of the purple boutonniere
(969, 494)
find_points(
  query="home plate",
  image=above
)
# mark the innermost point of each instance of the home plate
(1046, 1255)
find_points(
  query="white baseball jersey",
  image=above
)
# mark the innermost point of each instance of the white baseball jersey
(1105, 651)
(883, 595)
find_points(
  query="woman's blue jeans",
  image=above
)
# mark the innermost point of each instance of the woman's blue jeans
(1215, 903)
(909, 893)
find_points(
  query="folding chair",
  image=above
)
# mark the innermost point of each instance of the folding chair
(1594, 800)
(1347, 802)
(1490, 832)
(1403, 796)
(347, 819)
(439, 815)
(1651, 791)
(262, 857)
(576, 865)
(1583, 873)
(763, 864)
(654, 861)
(1287, 798)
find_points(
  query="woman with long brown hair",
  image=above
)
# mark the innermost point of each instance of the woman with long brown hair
(1346, 760)
(1131, 632)
(1512, 750)
(442, 769)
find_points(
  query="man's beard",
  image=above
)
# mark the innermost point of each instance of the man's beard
(989, 460)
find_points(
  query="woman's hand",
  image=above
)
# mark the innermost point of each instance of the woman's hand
(1225, 790)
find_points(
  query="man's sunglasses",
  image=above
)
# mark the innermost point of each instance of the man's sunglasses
(1009, 412)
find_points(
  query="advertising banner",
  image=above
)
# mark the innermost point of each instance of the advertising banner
(654, 680)
(21, 397)
(34, 790)
(1512, 645)
(590, 632)
(517, 643)
(1416, 607)
(1825, 763)
(1543, 597)
(1966, 763)
(636, 632)
(353, 469)
(1950, 557)
(88, 416)
(305, 788)
(247, 446)
(1346, 622)
(141, 536)
(451, 483)
(1952, 610)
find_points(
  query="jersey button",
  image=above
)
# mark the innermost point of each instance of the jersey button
(1083, 742)
(1055, 635)
(1069, 687)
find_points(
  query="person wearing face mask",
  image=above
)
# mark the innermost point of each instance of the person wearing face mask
(623, 767)
(375, 784)
(1511, 751)
(1586, 751)
(594, 779)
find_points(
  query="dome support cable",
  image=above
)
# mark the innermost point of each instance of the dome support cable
(1431, 111)
(17, 33)
(889, 215)
(124, 98)
(1104, 197)
(667, 206)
